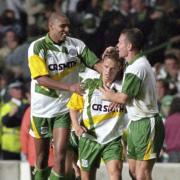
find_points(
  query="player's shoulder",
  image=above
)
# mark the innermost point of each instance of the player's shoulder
(138, 65)
(37, 44)
(38, 41)
(89, 74)
(74, 41)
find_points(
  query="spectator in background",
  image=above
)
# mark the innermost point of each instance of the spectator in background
(68, 7)
(89, 33)
(16, 6)
(32, 8)
(163, 97)
(10, 42)
(9, 21)
(27, 142)
(172, 132)
(17, 59)
(162, 87)
(170, 72)
(10, 116)
(113, 21)
(124, 8)
(140, 17)
(172, 69)
(6, 76)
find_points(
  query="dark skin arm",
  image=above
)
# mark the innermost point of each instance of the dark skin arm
(98, 67)
(53, 84)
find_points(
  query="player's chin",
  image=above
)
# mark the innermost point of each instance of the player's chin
(63, 38)
(107, 78)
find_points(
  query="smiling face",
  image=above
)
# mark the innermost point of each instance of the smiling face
(110, 68)
(58, 28)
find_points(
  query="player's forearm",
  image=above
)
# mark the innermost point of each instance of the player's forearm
(98, 67)
(74, 118)
(118, 97)
(52, 84)
(79, 130)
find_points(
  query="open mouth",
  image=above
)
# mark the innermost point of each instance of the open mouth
(64, 35)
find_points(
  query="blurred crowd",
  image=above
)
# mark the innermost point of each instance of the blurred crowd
(98, 23)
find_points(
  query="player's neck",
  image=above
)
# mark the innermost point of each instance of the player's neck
(132, 56)
(54, 39)
(107, 83)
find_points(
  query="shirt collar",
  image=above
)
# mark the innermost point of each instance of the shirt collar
(50, 41)
(137, 56)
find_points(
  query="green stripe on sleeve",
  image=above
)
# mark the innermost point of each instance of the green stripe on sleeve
(88, 57)
(45, 91)
(131, 85)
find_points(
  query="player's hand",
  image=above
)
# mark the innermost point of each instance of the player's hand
(106, 93)
(77, 88)
(115, 106)
(79, 130)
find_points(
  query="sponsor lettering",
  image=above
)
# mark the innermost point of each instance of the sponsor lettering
(60, 67)
(105, 108)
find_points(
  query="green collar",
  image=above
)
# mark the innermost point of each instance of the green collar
(137, 56)
(50, 41)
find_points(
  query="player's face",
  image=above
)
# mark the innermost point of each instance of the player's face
(110, 69)
(122, 46)
(59, 29)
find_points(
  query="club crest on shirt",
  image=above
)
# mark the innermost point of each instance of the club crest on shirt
(44, 130)
(84, 162)
(72, 52)
(51, 59)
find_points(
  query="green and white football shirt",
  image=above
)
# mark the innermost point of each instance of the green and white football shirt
(140, 85)
(102, 124)
(60, 62)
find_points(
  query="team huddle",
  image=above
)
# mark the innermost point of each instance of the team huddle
(93, 104)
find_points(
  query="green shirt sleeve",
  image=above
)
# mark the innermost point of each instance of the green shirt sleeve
(88, 57)
(131, 85)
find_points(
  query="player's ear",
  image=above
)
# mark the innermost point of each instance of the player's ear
(129, 46)
(50, 25)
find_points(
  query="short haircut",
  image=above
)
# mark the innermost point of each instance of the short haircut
(171, 56)
(56, 16)
(135, 37)
(114, 55)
